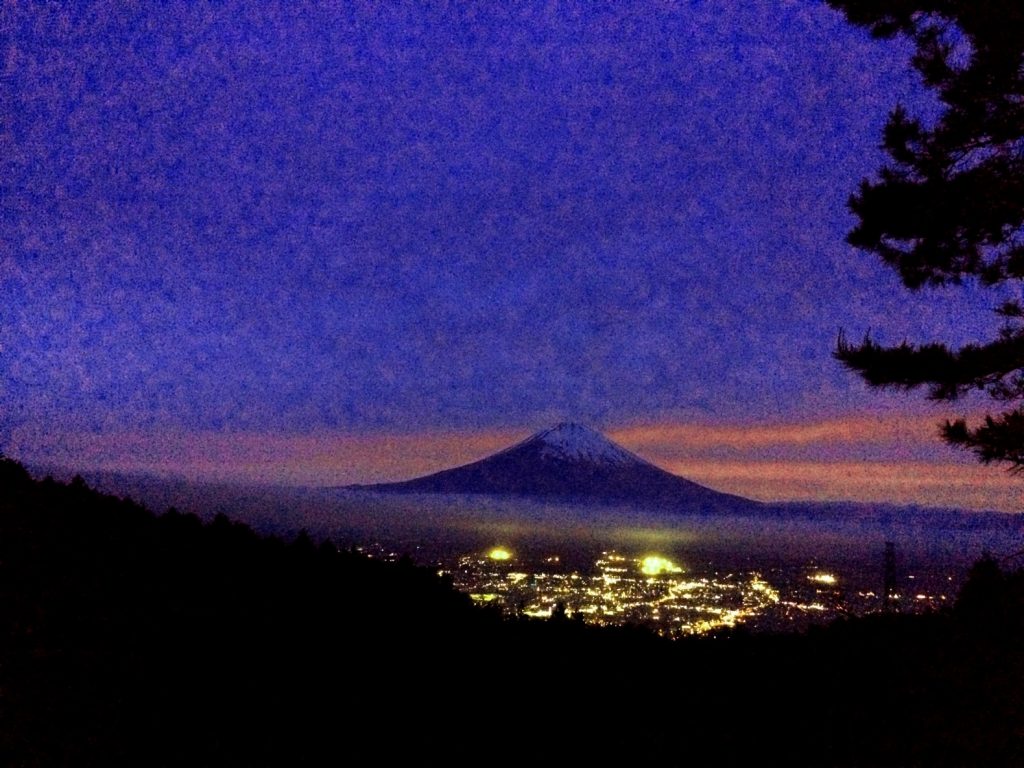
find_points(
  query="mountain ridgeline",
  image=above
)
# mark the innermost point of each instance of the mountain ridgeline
(571, 462)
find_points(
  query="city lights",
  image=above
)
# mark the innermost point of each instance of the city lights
(652, 590)
(649, 591)
(823, 578)
(653, 565)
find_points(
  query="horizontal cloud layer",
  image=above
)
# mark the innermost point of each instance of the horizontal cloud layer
(859, 458)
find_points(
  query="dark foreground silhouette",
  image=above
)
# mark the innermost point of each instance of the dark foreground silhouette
(134, 639)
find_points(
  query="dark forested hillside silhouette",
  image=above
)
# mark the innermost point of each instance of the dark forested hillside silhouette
(134, 639)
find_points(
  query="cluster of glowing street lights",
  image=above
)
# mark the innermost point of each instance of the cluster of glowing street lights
(651, 565)
(826, 579)
(655, 565)
(649, 589)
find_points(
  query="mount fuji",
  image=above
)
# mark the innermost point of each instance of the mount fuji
(571, 462)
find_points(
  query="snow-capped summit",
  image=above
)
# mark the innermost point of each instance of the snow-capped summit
(574, 442)
(572, 462)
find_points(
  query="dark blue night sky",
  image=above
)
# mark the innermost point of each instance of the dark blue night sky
(351, 218)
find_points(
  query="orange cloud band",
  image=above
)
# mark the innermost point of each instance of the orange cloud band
(685, 449)
(318, 459)
(965, 486)
(744, 436)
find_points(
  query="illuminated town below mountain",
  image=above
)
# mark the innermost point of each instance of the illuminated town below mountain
(656, 592)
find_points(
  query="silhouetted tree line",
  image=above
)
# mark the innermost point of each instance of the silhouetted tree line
(135, 639)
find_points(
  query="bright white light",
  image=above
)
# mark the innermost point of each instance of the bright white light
(654, 565)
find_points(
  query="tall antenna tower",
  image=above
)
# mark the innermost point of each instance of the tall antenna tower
(889, 586)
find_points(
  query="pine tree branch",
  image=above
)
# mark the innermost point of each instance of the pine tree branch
(948, 373)
(999, 438)
(948, 207)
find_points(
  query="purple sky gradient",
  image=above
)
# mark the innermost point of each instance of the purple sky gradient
(365, 218)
